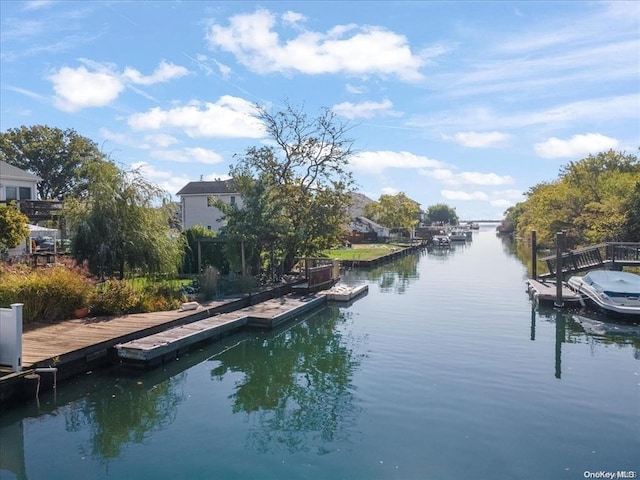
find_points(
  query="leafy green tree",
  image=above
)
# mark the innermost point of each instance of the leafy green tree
(592, 201)
(13, 227)
(394, 211)
(59, 157)
(632, 215)
(295, 192)
(442, 213)
(117, 227)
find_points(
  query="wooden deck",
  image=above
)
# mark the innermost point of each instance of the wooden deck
(266, 315)
(47, 345)
(545, 292)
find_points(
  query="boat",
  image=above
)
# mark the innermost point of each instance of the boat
(440, 241)
(458, 236)
(613, 292)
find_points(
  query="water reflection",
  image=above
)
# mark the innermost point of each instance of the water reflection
(393, 277)
(120, 407)
(297, 386)
(579, 326)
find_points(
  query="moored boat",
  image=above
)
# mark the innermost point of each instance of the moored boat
(613, 292)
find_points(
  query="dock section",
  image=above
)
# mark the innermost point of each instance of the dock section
(155, 349)
(542, 291)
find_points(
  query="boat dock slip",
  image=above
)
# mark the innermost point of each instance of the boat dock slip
(545, 291)
(155, 349)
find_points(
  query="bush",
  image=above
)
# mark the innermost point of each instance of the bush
(48, 295)
(115, 297)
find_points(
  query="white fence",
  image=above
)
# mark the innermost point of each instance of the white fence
(11, 336)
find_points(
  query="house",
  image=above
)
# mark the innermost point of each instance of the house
(197, 202)
(16, 184)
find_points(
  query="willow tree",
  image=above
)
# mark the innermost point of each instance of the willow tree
(295, 190)
(120, 226)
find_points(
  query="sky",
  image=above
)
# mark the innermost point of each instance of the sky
(464, 103)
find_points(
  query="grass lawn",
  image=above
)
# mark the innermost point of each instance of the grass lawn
(364, 251)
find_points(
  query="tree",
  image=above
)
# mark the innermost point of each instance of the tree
(295, 191)
(592, 201)
(117, 228)
(442, 213)
(58, 157)
(13, 226)
(394, 211)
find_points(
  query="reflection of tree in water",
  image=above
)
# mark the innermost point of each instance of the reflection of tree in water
(592, 328)
(392, 277)
(297, 384)
(127, 415)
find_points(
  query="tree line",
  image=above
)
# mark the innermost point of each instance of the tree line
(593, 200)
(296, 192)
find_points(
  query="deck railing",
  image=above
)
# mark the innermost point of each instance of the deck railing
(602, 255)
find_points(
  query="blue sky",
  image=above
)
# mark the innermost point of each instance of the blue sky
(464, 103)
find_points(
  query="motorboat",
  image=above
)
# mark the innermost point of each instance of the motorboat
(613, 292)
(458, 236)
(440, 241)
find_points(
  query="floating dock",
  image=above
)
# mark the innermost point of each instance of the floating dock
(156, 349)
(342, 293)
(544, 291)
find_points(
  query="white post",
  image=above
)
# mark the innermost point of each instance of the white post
(11, 336)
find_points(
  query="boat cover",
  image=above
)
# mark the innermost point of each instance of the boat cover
(614, 283)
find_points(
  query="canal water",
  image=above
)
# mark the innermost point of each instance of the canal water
(444, 370)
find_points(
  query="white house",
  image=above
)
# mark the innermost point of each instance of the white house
(16, 184)
(197, 203)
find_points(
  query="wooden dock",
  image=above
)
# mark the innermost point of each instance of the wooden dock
(76, 346)
(155, 349)
(543, 291)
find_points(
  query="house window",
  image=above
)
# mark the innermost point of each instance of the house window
(232, 201)
(11, 193)
(25, 193)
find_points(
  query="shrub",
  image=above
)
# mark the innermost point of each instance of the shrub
(115, 297)
(48, 295)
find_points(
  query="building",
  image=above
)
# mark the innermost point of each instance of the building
(16, 184)
(197, 203)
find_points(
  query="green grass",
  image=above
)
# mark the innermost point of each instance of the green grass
(362, 251)
(140, 283)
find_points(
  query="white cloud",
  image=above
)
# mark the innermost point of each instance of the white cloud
(356, 89)
(576, 146)
(362, 110)
(230, 117)
(377, 162)
(479, 139)
(96, 85)
(79, 88)
(389, 191)
(161, 140)
(292, 18)
(188, 155)
(460, 195)
(165, 72)
(449, 177)
(350, 49)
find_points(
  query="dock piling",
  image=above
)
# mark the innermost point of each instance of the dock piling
(559, 244)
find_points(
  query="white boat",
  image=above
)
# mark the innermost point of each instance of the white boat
(613, 292)
(457, 236)
(440, 241)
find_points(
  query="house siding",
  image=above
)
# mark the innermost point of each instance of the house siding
(195, 210)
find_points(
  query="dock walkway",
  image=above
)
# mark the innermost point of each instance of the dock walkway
(76, 346)
(545, 292)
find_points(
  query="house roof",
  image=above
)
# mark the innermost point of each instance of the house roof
(9, 171)
(204, 188)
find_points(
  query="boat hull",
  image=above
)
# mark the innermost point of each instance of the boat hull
(614, 293)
